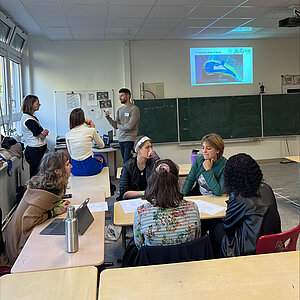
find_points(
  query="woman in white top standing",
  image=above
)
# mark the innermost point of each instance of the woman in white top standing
(34, 135)
(79, 142)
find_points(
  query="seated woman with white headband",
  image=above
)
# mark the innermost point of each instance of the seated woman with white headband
(137, 170)
(168, 219)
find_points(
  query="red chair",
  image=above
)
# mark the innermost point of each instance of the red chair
(277, 242)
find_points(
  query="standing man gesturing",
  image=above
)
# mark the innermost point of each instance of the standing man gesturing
(127, 119)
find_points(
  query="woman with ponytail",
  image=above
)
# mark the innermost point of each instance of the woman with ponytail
(168, 219)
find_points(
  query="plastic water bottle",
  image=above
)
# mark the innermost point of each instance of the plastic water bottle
(71, 231)
(194, 155)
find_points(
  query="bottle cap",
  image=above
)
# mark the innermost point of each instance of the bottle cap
(71, 208)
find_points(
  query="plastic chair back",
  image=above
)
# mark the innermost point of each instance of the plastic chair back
(280, 242)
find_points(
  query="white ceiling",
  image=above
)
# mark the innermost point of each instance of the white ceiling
(151, 19)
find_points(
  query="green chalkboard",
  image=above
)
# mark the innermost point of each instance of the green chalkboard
(230, 117)
(158, 119)
(281, 114)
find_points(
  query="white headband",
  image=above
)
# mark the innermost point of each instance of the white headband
(140, 142)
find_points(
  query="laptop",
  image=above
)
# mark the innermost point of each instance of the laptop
(84, 217)
(111, 136)
(106, 141)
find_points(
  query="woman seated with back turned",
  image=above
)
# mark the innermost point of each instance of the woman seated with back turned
(251, 209)
(41, 201)
(137, 170)
(79, 142)
(168, 219)
(208, 169)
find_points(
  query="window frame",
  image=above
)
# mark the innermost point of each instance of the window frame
(10, 24)
(4, 54)
(10, 54)
(22, 34)
(16, 116)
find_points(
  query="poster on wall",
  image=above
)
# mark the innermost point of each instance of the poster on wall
(92, 99)
(105, 104)
(73, 101)
(102, 95)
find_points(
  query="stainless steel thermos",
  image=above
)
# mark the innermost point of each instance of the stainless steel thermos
(71, 231)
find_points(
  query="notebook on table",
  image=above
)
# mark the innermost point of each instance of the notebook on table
(84, 217)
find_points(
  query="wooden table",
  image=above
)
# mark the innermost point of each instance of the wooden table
(267, 276)
(293, 158)
(184, 170)
(111, 159)
(110, 154)
(99, 182)
(47, 252)
(123, 219)
(296, 159)
(64, 284)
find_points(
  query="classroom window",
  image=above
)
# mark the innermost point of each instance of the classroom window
(3, 98)
(12, 42)
(18, 42)
(4, 32)
(15, 83)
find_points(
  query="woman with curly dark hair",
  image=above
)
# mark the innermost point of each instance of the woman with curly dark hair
(251, 209)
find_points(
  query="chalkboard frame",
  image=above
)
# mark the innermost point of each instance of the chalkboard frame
(278, 114)
(163, 123)
(232, 117)
(260, 117)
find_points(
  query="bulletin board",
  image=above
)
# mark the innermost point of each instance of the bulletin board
(93, 103)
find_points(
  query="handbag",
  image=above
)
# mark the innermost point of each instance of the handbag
(7, 142)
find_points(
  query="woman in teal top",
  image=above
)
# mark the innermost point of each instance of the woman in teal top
(208, 169)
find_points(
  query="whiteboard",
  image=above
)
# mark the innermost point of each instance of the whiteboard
(93, 107)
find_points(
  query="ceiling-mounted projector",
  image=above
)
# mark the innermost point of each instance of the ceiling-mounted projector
(291, 21)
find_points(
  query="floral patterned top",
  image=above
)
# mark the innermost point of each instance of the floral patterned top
(156, 226)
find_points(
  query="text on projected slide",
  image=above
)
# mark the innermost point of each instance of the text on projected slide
(211, 66)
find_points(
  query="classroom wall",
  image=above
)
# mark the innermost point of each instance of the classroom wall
(82, 65)
(70, 66)
(169, 62)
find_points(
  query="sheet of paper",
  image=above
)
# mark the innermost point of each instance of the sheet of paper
(92, 99)
(130, 206)
(208, 208)
(73, 101)
(94, 113)
(95, 207)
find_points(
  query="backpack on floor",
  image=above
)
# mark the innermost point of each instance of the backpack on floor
(130, 254)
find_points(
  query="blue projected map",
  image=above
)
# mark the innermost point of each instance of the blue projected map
(221, 65)
(219, 68)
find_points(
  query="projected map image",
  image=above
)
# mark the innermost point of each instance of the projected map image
(219, 68)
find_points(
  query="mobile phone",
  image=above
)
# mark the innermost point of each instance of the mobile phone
(66, 196)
